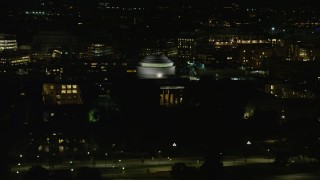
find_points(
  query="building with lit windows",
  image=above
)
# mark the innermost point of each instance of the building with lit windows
(155, 67)
(61, 94)
(99, 50)
(171, 95)
(285, 91)
(8, 42)
(227, 37)
(166, 47)
(187, 44)
(185, 47)
(46, 42)
(14, 58)
(253, 56)
(303, 52)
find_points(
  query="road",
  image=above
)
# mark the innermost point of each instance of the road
(162, 164)
(157, 169)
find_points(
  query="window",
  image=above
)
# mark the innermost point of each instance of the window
(63, 91)
(272, 87)
(74, 91)
(68, 91)
(69, 86)
(63, 86)
(74, 86)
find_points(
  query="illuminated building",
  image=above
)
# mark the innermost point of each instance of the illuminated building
(187, 43)
(14, 58)
(54, 71)
(155, 67)
(171, 95)
(99, 50)
(167, 48)
(287, 92)
(8, 42)
(253, 56)
(185, 47)
(226, 37)
(46, 42)
(61, 94)
(303, 52)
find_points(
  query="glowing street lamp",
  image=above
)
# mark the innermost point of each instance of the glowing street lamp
(245, 156)
(105, 160)
(159, 153)
(268, 155)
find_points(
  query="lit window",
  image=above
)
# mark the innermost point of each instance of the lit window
(63, 86)
(51, 87)
(74, 86)
(63, 91)
(68, 91)
(74, 91)
(272, 87)
(69, 86)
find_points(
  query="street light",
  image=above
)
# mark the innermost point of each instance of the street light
(19, 166)
(38, 158)
(268, 155)
(20, 160)
(105, 160)
(245, 156)
(174, 148)
(159, 153)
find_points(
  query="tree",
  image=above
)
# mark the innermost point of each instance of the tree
(62, 175)
(212, 168)
(4, 171)
(182, 171)
(37, 172)
(86, 173)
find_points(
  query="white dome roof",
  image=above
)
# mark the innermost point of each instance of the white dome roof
(155, 67)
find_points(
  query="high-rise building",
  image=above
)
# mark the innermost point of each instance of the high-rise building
(8, 42)
(99, 50)
(46, 42)
(14, 58)
(186, 47)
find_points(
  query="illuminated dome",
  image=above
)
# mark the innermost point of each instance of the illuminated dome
(155, 67)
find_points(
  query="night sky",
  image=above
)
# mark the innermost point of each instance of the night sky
(255, 3)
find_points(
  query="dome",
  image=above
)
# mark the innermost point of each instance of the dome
(156, 61)
(155, 67)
